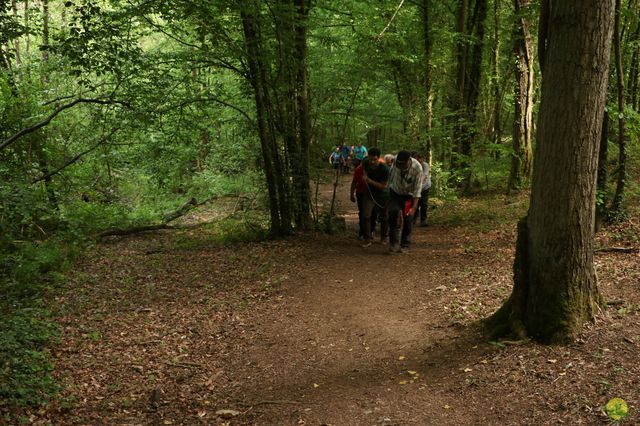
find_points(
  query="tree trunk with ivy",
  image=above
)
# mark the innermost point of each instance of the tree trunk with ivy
(555, 287)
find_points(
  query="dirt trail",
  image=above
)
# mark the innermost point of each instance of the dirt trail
(169, 329)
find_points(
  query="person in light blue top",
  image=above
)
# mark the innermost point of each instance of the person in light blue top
(359, 154)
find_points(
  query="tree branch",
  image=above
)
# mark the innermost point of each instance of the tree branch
(169, 217)
(379, 36)
(51, 116)
(76, 157)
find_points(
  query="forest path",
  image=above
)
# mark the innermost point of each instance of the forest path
(169, 328)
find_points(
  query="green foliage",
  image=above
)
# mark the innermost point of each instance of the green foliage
(481, 212)
(440, 178)
(228, 230)
(25, 371)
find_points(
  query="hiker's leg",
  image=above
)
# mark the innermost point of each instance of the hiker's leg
(367, 209)
(375, 212)
(394, 214)
(425, 202)
(406, 231)
(384, 224)
(420, 210)
(360, 221)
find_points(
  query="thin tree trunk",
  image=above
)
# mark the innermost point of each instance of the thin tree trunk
(616, 205)
(523, 102)
(632, 79)
(601, 180)
(472, 88)
(458, 162)
(14, 8)
(45, 30)
(497, 119)
(428, 91)
(303, 217)
(40, 137)
(27, 29)
(249, 25)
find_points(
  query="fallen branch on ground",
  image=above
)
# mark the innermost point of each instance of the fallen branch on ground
(267, 402)
(170, 217)
(183, 364)
(617, 250)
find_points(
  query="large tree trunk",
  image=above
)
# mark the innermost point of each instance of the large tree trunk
(555, 287)
(523, 97)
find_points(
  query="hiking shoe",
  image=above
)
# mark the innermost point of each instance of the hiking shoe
(366, 244)
(404, 250)
(394, 248)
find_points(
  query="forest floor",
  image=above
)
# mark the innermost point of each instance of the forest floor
(172, 328)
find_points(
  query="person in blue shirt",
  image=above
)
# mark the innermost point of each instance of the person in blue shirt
(359, 154)
(346, 153)
(335, 159)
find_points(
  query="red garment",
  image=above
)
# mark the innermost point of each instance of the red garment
(407, 206)
(361, 187)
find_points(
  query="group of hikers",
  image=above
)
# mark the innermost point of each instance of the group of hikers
(345, 156)
(393, 191)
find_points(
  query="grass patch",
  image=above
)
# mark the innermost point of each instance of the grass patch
(482, 212)
(223, 232)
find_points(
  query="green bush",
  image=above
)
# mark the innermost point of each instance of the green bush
(25, 371)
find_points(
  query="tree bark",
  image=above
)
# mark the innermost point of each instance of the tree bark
(555, 286)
